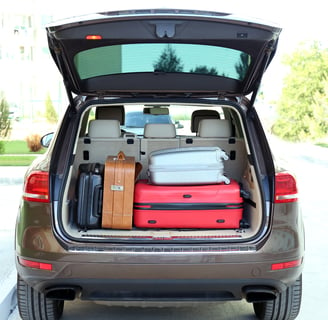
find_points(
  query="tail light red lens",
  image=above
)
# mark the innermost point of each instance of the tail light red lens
(286, 265)
(35, 264)
(36, 188)
(285, 188)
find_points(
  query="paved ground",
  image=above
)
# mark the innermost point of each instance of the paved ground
(10, 192)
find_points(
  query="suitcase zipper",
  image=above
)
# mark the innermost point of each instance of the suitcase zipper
(187, 206)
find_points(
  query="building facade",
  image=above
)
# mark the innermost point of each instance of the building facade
(28, 73)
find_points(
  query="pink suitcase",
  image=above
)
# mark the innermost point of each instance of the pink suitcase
(215, 206)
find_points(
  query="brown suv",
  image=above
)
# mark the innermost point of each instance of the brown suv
(204, 69)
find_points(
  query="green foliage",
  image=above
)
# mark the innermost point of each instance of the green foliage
(4, 117)
(51, 114)
(205, 70)
(168, 61)
(322, 144)
(2, 147)
(243, 66)
(303, 106)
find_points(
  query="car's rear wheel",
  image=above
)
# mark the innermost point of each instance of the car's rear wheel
(285, 307)
(33, 305)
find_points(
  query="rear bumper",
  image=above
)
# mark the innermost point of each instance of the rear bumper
(162, 289)
(198, 281)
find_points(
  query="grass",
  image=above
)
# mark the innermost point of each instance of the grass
(16, 160)
(18, 147)
(322, 144)
(16, 153)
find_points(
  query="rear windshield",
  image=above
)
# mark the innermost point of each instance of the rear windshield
(159, 57)
(139, 119)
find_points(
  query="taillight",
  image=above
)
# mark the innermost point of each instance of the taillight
(36, 188)
(285, 188)
(35, 264)
(286, 265)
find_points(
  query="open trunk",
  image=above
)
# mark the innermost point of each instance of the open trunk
(90, 148)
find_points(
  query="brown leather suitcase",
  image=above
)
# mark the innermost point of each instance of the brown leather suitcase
(119, 180)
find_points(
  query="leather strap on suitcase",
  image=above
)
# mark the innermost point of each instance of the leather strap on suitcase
(119, 179)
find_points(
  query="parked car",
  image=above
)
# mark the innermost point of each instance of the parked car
(14, 114)
(210, 64)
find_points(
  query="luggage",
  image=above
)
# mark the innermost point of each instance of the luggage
(90, 189)
(187, 166)
(119, 180)
(215, 206)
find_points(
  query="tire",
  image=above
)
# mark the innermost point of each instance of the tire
(285, 307)
(33, 305)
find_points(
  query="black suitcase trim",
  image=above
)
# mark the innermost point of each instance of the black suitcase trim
(187, 206)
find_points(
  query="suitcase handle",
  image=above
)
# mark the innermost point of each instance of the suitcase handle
(121, 156)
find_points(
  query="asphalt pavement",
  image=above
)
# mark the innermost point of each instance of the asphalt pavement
(11, 179)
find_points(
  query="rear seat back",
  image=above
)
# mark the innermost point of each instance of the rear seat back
(217, 133)
(214, 128)
(157, 136)
(211, 132)
(105, 138)
(104, 129)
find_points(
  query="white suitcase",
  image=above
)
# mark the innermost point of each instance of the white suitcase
(187, 166)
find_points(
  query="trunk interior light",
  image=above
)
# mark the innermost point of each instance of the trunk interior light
(36, 188)
(93, 37)
(285, 188)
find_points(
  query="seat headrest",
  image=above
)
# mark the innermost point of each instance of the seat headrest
(159, 130)
(104, 129)
(111, 113)
(198, 115)
(214, 128)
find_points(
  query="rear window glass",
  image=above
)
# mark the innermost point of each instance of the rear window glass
(159, 57)
(139, 119)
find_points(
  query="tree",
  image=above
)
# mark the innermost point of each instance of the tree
(303, 106)
(205, 70)
(168, 61)
(51, 114)
(4, 120)
(243, 65)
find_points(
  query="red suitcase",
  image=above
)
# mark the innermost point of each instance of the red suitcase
(218, 206)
